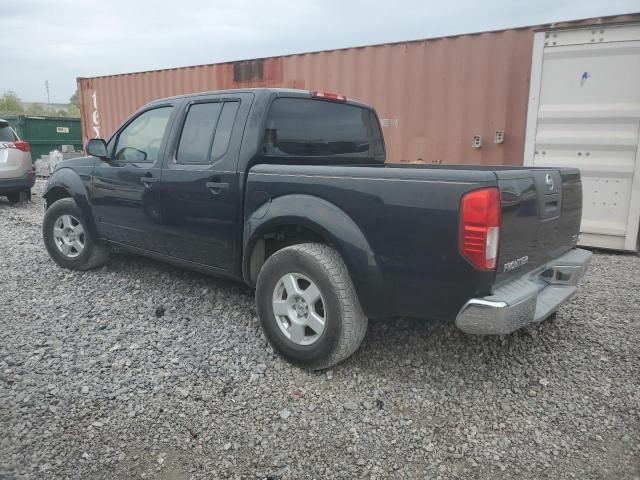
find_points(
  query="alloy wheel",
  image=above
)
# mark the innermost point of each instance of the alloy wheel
(299, 309)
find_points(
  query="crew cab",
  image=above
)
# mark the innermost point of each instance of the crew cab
(288, 191)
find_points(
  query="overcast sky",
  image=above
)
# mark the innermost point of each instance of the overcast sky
(64, 39)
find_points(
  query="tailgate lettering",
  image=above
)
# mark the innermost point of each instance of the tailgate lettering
(517, 263)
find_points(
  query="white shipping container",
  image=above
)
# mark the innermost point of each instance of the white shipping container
(584, 112)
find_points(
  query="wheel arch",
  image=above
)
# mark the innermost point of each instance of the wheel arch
(56, 193)
(294, 219)
(66, 183)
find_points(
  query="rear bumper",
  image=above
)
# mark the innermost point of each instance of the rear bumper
(9, 185)
(527, 299)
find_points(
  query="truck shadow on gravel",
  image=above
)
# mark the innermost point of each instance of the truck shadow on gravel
(433, 344)
(413, 345)
(125, 263)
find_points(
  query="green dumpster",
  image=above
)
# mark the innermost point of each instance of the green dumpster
(46, 133)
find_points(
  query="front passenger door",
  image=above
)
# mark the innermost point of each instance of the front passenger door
(125, 187)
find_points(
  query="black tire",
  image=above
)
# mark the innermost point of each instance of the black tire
(93, 255)
(19, 197)
(345, 323)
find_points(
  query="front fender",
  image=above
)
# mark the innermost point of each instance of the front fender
(337, 228)
(77, 188)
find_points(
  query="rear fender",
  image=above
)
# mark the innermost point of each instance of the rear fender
(336, 228)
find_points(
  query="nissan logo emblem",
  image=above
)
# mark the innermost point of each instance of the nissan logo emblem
(549, 181)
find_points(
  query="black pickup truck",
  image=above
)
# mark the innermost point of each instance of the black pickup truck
(288, 191)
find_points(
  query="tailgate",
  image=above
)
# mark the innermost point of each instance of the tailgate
(541, 210)
(11, 162)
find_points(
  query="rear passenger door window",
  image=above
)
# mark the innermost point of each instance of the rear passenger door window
(206, 133)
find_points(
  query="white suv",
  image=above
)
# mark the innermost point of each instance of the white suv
(16, 171)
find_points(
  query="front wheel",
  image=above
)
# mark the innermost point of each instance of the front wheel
(308, 307)
(68, 239)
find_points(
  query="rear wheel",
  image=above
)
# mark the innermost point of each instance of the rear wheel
(308, 306)
(68, 239)
(19, 197)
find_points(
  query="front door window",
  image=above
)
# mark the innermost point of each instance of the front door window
(140, 141)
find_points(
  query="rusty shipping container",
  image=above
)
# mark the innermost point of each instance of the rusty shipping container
(433, 96)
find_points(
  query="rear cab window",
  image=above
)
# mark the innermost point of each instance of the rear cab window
(301, 127)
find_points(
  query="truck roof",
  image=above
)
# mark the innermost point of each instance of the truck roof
(259, 92)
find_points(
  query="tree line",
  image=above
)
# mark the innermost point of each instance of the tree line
(11, 103)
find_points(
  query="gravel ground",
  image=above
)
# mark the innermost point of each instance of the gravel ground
(142, 370)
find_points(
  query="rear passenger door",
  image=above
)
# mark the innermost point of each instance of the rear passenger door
(199, 192)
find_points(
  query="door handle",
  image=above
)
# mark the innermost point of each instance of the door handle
(147, 181)
(215, 187)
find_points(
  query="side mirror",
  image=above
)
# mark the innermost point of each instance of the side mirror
(97, 147)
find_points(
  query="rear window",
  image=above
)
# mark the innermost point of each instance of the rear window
(318, 128)
(6, 134)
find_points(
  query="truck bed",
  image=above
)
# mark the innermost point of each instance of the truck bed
(409, 215)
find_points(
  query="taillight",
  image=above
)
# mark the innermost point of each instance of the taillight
(329, 96)
(18, 145)
(480, 227)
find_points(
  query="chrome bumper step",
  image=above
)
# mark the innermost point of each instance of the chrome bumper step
(527, 299)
